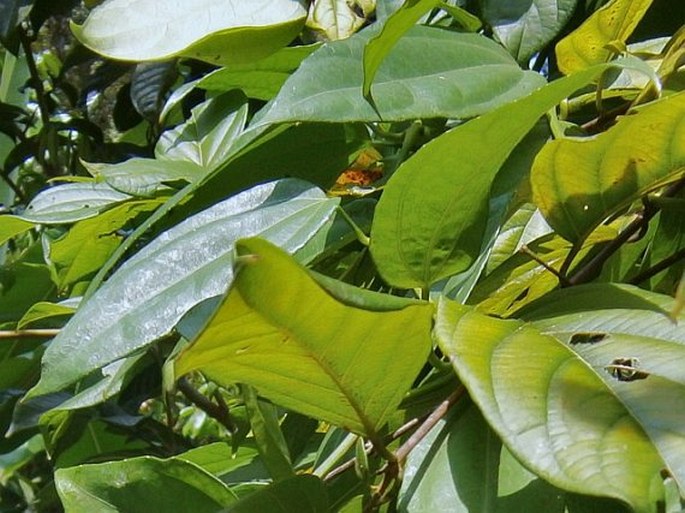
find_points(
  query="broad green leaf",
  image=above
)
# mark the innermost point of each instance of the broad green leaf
(301, 494)
(586, 45)
(261, 79)
(578, 183)
(206, 138)
(220, 460)
(222, 32)
(454, 469)
(141, 485)
(24, 283)
(524, 26)
(164, 280)
(606, 322)
(668, 240)
(144, 177)
(324, 366)
(335, 19)
(551, 408)
(71, 202)
(12, 462)
(429, 73)
(393, 29)
(431, 219)
(11, 226)
(88, 244)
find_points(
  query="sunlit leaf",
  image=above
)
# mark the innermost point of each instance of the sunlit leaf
(327, 367)
(578, 183)
(555, 412)
(429, 73)
(222, 32)
(524, 27)
(11, 226)
(431, 220)
(71, 202)
(150, 293)
(586, 45)
(335, 19)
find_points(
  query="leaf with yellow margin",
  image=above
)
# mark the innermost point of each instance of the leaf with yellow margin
(578, 183)
(586, 45)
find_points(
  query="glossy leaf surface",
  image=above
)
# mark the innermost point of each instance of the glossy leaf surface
(431, 220)
(150, 293)
(222, 32)
(324, 366)
(429, 73)
(143, 485)
(577, 183)
(585, 46)
(71, 202)
(554, 410)
(524, 27)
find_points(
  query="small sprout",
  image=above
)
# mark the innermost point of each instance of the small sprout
(626, 369)
(587, 338)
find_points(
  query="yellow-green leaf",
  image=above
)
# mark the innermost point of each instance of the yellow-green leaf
(11, 226)
(586, 45)
(304, 348)
(578, 183)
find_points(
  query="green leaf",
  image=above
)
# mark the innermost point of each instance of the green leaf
(393, 29)
(144, 177)
(164, 280)
(223, 31)
(554, 412)
(429, 223)
(11, 226)
(88, 244)
(267, 434)
(429, 73)
(578, 183)
(71, 202)
(301, 494)
(327, 366)
(525, 27)
(206, 138)
(44, 310)
(456, 465)
(628, 324)
(261, 79)
(145, 485)
(586, 45)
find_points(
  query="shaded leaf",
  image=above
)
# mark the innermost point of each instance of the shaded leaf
(301, 494)
(223, 32)
(150, 293)
(578, 183)
(328, 367)
(144, 485)
(44, 310)
(585, 46)
(553, 411)
(150, 84)
(429, 73)
(525, 27)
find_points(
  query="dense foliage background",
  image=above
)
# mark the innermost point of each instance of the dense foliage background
(277, 255)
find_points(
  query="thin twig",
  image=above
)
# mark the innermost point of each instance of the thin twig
(527, 251)
(589, 271)
(657, 268)
(219, 412)
(44, 333)
(428, 424)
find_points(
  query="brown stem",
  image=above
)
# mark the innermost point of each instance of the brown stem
(657, 268)
(219, 412)
(44, 333)
(589, 271)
